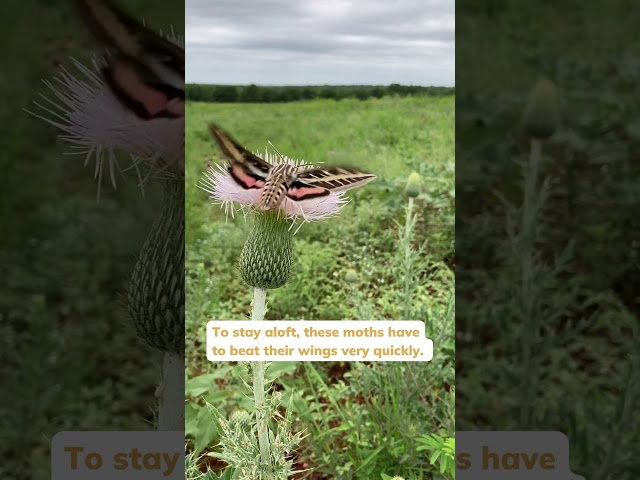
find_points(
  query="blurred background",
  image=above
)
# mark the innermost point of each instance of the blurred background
(547, 288)
(69, 355)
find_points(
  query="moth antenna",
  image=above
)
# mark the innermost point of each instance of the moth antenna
(305, 165)
(274, 147)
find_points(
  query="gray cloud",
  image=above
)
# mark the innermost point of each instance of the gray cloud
(289, 42)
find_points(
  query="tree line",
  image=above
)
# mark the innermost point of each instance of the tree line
(197, 92)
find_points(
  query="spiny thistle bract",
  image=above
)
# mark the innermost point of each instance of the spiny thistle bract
(267, 255)
(156, 293)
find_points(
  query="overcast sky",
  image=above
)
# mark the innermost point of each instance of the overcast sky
(312, 42)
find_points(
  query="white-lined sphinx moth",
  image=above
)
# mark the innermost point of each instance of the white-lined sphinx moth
(284, 180)
(145, 71)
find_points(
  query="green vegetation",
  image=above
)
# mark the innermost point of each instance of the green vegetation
(260, 94)
(364, 420)
(547, 269)
(69, 355)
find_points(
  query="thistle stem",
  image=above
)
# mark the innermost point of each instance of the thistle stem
(407, 261)
(170, 394)
(362, 313)
(527, 288)
(257, 369)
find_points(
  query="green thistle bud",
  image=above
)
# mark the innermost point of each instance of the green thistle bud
(542, 112)
(351, 276)
(240, 417)
(267, 255)
(156, 292)
(413, 185)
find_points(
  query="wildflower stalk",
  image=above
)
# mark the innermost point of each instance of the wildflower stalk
(541, 120)
(362, 308)
(265, 262)
(527, 287)
(408, 261)
(412, 190)
(257, 369)
(170, 394)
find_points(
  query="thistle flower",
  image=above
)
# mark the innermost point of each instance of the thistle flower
(221, 186)
(96, 125)
(267, 256)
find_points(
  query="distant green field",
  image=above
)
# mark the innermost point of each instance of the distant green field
(390, 137)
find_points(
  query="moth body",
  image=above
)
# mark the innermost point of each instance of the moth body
(276, 185)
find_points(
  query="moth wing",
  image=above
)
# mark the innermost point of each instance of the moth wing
(146, 71)
(122, 32)
(302, 191)
(146, 99)
(248, 170)
(238, 154)
(335, 178)
(245, 177)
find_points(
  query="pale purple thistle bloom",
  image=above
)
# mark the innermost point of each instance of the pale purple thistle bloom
(97, 125)
(220, 185)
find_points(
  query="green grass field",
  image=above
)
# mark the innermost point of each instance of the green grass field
(390, 137)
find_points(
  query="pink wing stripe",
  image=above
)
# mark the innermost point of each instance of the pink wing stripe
(301, 193)
(245, 180)
(129, 81)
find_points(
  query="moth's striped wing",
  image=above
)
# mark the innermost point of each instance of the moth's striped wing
(146, 98)
(145, 71)
(321, 181)
(247, 169)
